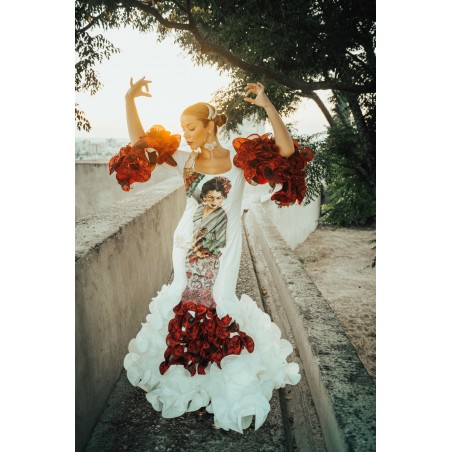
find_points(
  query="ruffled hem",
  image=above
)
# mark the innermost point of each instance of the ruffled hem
(234, 393)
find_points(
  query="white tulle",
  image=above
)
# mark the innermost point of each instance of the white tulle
(235, 393)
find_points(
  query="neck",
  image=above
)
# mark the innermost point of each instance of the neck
(211, 153)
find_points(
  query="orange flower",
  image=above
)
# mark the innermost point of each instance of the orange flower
(135, 163)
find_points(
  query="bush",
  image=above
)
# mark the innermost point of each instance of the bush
(347, 174)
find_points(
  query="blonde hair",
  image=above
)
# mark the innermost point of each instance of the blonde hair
(205, 113)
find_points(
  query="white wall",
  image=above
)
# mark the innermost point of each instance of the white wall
(295, 222)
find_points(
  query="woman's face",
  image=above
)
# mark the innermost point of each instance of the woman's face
(195, 133)
(213, 199)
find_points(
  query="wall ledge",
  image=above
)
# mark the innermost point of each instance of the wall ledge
(343, 392)
(93, 230)
(123, 257)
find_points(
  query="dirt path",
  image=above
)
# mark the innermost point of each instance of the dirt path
(339, 262)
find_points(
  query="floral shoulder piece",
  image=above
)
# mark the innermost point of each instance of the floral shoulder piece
(259, 158)
(136, 163)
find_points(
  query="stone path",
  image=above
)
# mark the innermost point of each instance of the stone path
(130, 423)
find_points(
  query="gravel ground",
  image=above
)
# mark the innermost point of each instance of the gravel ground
(339, 262)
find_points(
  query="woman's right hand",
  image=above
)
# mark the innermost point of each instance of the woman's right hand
(135, 89)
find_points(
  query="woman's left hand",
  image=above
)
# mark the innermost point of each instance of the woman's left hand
(258, 89)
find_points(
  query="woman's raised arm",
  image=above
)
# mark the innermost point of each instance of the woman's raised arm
(133, 120)
(280, 132)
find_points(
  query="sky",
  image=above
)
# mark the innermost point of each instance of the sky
(176, 83)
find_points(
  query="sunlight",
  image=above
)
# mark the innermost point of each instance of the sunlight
(176, 83)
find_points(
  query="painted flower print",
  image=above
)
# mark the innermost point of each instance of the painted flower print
(197, 335)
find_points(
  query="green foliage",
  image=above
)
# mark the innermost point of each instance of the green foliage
(80, 120)
(91, 17)
(289, 46)
(348, 177)
(315, 170)
(298, 40)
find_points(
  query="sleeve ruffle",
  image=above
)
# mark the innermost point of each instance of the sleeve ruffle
(136, 163)
(259, 158)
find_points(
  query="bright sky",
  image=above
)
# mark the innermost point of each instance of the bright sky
(176, 83)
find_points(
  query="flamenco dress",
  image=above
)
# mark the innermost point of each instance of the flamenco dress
(202, 346)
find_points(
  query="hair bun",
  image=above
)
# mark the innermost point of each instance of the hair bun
(220, 119)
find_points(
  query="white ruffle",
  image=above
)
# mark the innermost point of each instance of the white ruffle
(235, 393)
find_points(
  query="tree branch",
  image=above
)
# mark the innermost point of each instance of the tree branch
(361, 63)
(312, 95)
(92, 23)
(154, 12)
(179, 5)
(285, 80)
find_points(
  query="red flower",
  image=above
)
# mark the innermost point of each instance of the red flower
(200, 310)
(206, 338)
(192, 331)
(210, 327)
(131, 165)
(135, 164)
(204, 351)
(262, 163)
(217, 357)
(233, 345)
(221, 333)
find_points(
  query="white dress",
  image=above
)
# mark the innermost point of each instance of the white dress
(201, 346)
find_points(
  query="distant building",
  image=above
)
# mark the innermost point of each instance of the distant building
(102, 148)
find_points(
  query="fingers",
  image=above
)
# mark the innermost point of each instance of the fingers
(250, 100)
(257, 85)
(142, 81)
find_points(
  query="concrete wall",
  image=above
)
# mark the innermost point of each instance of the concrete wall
(342, 390)
(123, 257)
(95, 188)
(295, 222)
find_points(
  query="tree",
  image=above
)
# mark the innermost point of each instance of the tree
(295, 47)
(299, 45)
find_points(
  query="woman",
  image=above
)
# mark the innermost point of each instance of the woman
(201, 346)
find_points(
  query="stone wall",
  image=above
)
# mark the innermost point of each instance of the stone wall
(95, 188)
(123, 257)
(295, 223)
(342, 390)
